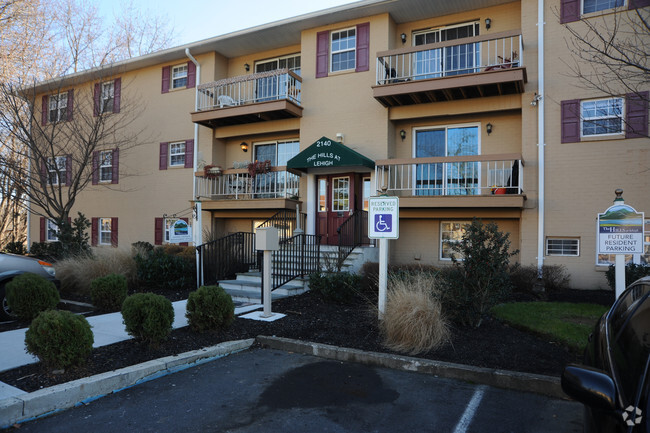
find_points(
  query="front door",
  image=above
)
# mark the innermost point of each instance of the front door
(336, 202)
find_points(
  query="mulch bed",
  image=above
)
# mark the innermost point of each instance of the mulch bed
(309, 318)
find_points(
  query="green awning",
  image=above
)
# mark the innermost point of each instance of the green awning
(327, 153)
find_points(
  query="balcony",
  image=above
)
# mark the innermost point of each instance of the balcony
(233, 186)
(251, 98)
(479, 67)
(458, 181)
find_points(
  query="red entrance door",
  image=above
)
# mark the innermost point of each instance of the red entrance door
(335, 204)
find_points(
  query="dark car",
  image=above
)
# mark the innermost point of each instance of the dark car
(12, 265)
(614, 384)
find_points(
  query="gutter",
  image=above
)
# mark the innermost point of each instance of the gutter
(197, 232)
(540, 138)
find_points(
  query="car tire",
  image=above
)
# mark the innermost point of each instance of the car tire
(5, 312)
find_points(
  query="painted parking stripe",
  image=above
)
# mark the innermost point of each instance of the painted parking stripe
(470, 410)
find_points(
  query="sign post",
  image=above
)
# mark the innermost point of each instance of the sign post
(620, 232)
(383, 224)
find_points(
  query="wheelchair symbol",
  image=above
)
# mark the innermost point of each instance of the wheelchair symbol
(383, 222)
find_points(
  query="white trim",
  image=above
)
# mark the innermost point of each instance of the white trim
(55, 228)
(563, 248)
(61, 103)
(172, 78)
(184, 153)
(464, 222)
(103, 166)
(106, 94)
(582, 8)
(596, 118)
(347, 50)
(100, 230)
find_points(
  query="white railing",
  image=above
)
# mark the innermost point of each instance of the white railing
(451, 176)
(479, 54)
(237, 184)
(249, 89)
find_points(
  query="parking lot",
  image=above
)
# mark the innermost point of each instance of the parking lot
(264, 390)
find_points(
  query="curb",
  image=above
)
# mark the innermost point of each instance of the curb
(526, 382)
(66, 395)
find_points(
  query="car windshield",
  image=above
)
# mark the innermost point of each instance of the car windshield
(630, 340)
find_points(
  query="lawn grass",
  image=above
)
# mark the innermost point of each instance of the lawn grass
(563, 322)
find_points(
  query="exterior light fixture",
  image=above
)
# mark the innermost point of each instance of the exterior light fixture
(248, 67)
(402, 134)
(488, 23)
(403, 36)
(488, 128)
(244, 146)
(339, 137)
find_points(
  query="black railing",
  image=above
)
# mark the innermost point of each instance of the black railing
(224, 258)
(285, 222)
(298, 256)
(353, 233)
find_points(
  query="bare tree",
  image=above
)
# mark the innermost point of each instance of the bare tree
(52, 160)
(611, 53)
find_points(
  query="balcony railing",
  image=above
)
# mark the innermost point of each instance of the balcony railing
(452, 176)
(250, 89)
(237, 184)
(479, 54)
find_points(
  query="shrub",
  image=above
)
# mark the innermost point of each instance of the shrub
(29, 294)
(335, 287)
(481, 280)
(77, 273)
(555, 277)
(148, 317)
(370, 273)
(524, 278)
(210, 308)
(59, 339)
(158, 267)
(413, 321)
(15, 248)
(108, 293)
(632, 273)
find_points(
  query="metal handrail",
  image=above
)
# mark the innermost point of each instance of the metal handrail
(352, 233)
(225, 257)
(285, 221)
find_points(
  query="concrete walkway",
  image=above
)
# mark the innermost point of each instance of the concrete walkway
(107, 329)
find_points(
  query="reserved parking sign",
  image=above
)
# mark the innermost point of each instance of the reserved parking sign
(383, 217)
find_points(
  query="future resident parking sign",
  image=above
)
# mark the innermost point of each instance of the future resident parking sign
(620, 230)
(383, 217)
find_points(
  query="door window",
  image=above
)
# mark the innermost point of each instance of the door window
(454, 60)
(322, 195)
(341, 194)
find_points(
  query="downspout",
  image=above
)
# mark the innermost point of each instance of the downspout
(540, 139)
(197, 234)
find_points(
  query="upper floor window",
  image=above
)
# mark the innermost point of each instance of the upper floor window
(106, 166)
(179, 76)
(589, 6)
(58, 109)
(278, 153)
(107, 96)
(602, 117)
(57, 170)
(177, 154)
(343, 50)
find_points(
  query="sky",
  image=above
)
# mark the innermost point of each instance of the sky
(194, 20)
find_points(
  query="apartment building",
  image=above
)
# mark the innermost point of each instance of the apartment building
(443, 104)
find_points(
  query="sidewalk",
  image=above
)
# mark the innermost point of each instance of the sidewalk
(107, 329)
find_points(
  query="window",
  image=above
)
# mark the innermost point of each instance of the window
(454, 178)
(366, 193)
(278, 86)
(589, 6)
(179, 76)
(57, 170)
(451, 233)
(177, 154)
(340, 194)
(277, 183)
(343, 51)
(52, 231)
(602, 117)
(107, 97)
(639, 259)
(58, 107)
(106, 166)
(452, 60)
(105, 231)
(562, 247)
(322, 195)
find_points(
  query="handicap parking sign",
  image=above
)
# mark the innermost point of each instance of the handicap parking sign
(383, 218)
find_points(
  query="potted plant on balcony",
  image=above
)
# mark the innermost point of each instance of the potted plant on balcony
(212, 171)
(259, 167)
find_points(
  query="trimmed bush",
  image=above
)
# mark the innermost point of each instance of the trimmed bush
(29, 294)
(632, 273)
(168, 267)
(109, 292)
(60, 339)
(338, 287)
(148, 317)
(413, 321)
(210, 308)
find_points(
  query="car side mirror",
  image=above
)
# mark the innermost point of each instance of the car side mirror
(589, 386)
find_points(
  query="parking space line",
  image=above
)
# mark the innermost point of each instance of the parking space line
(470, 410)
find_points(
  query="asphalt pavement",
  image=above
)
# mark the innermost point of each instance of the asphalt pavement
(270, 390)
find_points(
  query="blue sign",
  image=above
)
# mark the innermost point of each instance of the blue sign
(383, 217)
